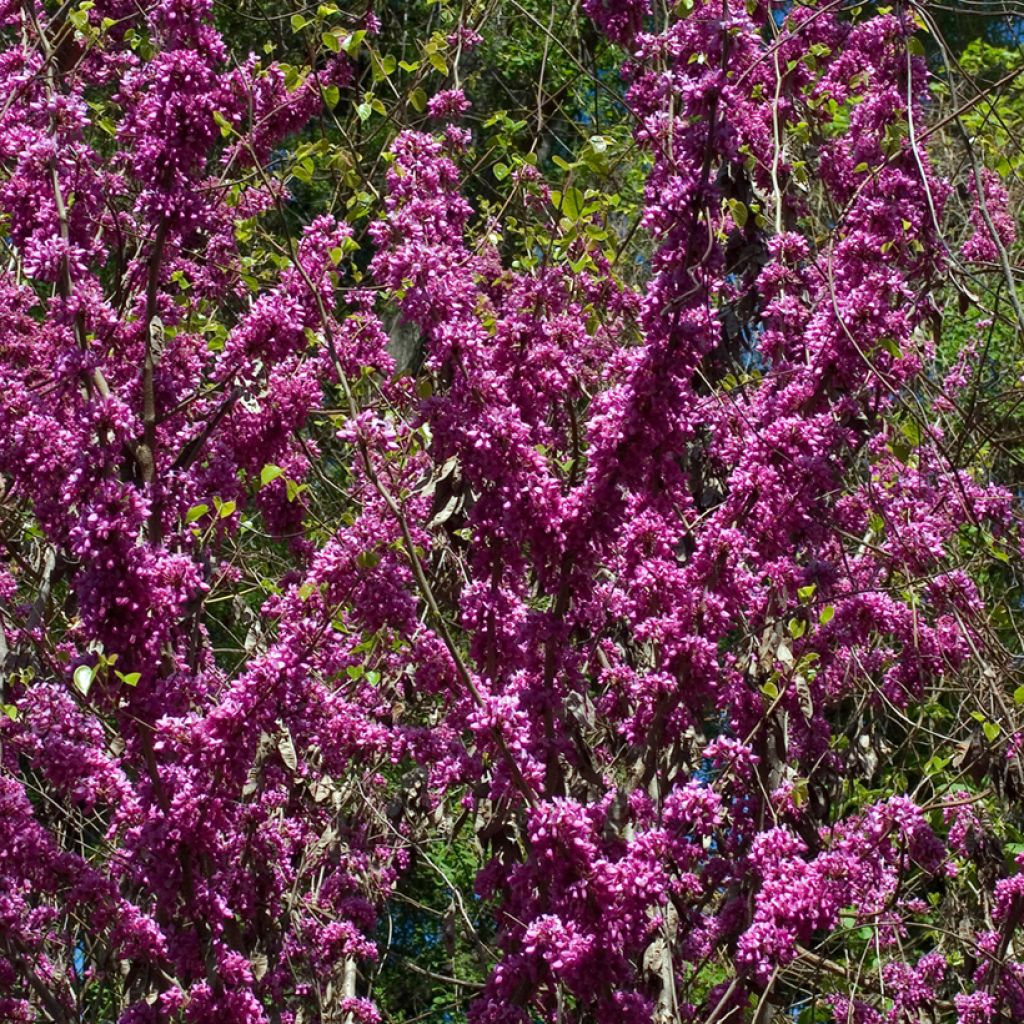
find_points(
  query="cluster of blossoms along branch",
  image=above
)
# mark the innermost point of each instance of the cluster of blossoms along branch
(212, 854)
(623, 597)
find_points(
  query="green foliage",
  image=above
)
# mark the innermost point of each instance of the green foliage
(435, 937)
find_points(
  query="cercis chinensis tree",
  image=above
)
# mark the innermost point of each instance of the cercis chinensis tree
(665, 576)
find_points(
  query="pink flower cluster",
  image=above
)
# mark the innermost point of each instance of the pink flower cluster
(609, 585)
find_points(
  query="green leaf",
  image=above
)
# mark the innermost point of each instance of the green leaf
(226, 510)
(270, 472)
(352, 42)
(569, 203)
(330, 40)
(226, 128)
(912, 431)
(298, 23)
(418, 99)
(196, 512)
(367, 559)
(799, 793)
(739, 213)
(501, 171)
(129, 678)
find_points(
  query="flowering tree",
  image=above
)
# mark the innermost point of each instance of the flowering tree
(346, 519)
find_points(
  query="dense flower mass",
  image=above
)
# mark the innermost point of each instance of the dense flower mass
(626, 577)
